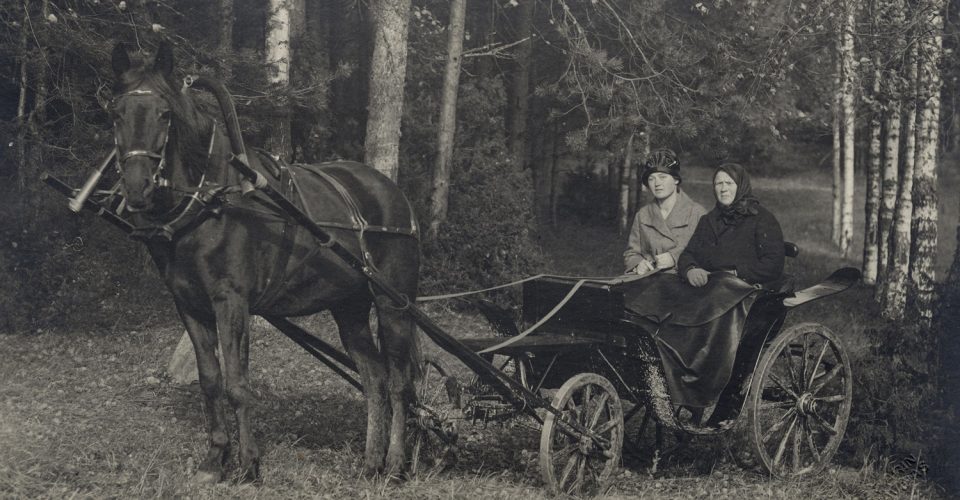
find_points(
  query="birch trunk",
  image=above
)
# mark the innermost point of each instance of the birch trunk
(448, 118)
(893, 98)
(872, 203)
(837, 141)
(849, 129)
(624, 205)
(894, 301)
(924, 249)
(635, 187)
(388, 68)
(277, 52)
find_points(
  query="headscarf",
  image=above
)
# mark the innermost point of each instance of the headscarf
(744, 204)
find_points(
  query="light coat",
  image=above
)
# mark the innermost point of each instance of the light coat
(652, 235)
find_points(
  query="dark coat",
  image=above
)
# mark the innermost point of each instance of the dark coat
(753, 247)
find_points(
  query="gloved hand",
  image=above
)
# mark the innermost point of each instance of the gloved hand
(664, 261)
(645, 266)
(697, 277)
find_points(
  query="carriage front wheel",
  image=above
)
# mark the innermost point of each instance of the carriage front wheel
(581, 462)
(800, 400)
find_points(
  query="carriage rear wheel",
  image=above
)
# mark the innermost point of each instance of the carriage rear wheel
(572, 462)
(800, 400)
(436, 421)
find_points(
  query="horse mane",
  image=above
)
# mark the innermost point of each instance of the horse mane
(189, 129)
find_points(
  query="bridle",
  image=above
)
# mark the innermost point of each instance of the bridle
(157, 176)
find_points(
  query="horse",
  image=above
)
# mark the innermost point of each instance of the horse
(226, 254)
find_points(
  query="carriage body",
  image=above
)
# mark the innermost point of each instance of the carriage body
(771, 398)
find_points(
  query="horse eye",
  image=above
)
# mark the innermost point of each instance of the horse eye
(165, 114)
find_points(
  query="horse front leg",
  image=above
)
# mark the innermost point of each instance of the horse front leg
(203, 335)
(233, 325)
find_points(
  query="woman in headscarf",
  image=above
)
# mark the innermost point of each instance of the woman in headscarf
(661, 228)
(738, 236)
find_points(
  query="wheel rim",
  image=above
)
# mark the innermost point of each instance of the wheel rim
(573, 463)
(801, 401)
(433, 435)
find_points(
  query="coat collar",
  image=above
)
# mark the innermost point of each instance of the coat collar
(679, 216)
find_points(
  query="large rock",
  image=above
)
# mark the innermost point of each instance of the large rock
(182, 368)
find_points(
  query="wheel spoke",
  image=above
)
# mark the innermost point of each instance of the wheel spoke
(790, 366)
(823, 423)
(568, 468)
(816, 365)
(797, 442)
(581, 466)
(609, 424)
(772, 405)
(836, 398)
(776, 380)
(783, 442)
(825, 379)
(803, 365)
(601, 405)
(778, 425)
(810, 443)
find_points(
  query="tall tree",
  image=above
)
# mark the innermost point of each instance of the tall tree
(894, 300)
(625, 180)
(388, 68)
(278, 63)
(848, 59)
(837, 142)
(924, 249)
(225, 38)
(520, 80)
(874, 156)
(448, 117)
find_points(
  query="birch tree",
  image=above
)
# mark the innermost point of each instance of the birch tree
(837, 141)
(388, 68)
(848, 62)
(895, 293)
(924, 229)
(448, 117)
(520, 81)
(278, 62)
(625, 180)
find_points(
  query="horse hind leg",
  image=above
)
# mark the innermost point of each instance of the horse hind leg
(353, 320)
(204, 338)
(402, 351)
(233, 324)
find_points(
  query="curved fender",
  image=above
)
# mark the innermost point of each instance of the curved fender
(837, 282)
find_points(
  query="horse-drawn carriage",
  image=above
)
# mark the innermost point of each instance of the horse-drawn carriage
(234, 235)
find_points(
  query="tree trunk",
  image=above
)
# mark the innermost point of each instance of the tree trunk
(520, 82)
(924, 249)
(837, 141)
(225, 40)
(388, 68)
(849, 128)
(278, 65)
(555, 179)
(448, 118)
(624, 205)
(635, 187)
(22, 100)
(894, 299)
(871, 205)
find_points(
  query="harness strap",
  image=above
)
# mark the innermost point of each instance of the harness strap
(277, 279)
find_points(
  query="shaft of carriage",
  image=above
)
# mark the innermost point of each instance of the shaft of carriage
(522, 398)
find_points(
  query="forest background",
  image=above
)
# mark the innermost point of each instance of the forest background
(555, 103)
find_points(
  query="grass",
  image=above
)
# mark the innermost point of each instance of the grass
(90, 414)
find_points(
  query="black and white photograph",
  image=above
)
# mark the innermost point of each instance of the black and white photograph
(432, 249)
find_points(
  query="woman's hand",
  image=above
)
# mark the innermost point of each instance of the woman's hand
(645, 266)
(697, 277)
(664, 261)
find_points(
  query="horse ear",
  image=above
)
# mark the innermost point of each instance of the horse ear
(120, 60)
(163, 62)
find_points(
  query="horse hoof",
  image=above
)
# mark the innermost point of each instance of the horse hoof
(251, 475)
(206, 478)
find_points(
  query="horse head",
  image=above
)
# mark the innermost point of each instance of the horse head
(155, 130)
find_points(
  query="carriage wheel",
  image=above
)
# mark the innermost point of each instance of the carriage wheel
(434, 433)
(800, 400)
(573, 463)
